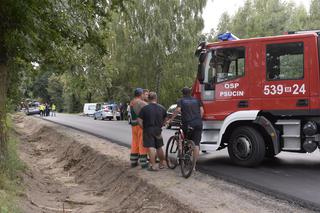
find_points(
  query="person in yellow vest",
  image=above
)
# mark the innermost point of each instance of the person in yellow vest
(53, 110)
(41, 108)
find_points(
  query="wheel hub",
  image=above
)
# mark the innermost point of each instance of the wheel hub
(242, 147)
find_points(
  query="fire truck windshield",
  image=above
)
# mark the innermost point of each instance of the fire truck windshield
(224, 64)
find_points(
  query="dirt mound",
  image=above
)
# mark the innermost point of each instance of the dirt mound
(77, 172)
(68, 175)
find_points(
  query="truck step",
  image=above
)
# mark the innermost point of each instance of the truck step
(292, 149)
(288, 122)
(291, 136)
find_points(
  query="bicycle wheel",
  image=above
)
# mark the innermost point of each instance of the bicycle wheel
(187, 161)
(172, 152)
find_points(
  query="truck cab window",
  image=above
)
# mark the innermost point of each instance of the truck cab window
(225, 64)
(284, 61)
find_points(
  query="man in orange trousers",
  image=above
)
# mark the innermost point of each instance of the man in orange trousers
(138, 152)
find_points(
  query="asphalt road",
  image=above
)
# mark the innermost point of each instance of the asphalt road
(291, 176)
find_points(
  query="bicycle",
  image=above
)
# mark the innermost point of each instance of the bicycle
(180, 151)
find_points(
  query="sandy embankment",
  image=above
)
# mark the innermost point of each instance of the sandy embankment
(78, 172)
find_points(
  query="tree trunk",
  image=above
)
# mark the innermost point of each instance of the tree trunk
(158, 81)
(89, 97)
(3, 95)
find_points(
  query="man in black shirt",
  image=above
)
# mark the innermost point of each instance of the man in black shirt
(151, 118)
(191, 110)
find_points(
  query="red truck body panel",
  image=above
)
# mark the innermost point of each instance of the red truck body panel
(255, 90)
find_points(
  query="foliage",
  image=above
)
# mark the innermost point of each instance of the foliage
(9, 181)
(59, 36)
(38, 38)
(314, 18)
(269, 17)
(55, 91)
(150, 44)
(154, 46)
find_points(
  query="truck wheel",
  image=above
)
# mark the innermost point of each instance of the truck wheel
(246, 146)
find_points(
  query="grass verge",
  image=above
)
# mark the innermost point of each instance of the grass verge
(10, 183)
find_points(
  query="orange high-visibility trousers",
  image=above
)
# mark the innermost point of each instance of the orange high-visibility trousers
(138, 151)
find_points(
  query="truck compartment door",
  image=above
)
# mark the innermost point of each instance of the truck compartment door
(285, 84)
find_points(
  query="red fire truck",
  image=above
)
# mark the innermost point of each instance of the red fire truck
(261, 96)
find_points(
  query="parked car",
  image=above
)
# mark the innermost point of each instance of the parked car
(89, 109)
(33, 108)
(106, 111)
(177, 120)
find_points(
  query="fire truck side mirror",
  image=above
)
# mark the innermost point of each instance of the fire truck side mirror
(201, 66)
(200, 74)
(201, 47)
(202, 57)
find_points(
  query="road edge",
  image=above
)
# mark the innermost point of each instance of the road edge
(246, 184)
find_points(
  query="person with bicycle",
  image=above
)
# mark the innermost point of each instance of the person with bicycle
(151, 118)
(191, 110)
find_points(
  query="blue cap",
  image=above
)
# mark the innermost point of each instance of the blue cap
(138, 92)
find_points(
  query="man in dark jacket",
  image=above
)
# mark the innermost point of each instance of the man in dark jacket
(191, 110)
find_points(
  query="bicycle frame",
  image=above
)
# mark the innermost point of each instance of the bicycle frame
(182, 148)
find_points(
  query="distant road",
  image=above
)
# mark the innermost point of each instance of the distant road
(116, 131)
(291, 176)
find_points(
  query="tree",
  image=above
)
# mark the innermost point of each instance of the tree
(40, 85)
(55, 91)
(299, 19)
(224, 23)
(242, 20)
(155, 44)
(263, 18)
(46, 32)
(314, 21)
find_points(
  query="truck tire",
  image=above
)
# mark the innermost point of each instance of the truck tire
(246, 146)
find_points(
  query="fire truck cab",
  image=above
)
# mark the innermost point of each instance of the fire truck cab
(261, 96)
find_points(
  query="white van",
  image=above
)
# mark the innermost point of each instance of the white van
(89, 108)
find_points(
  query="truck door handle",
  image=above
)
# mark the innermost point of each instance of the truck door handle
(302, 102)
(243, 104)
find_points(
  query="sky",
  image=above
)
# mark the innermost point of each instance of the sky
(215, 8)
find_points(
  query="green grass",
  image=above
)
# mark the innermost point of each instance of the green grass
(10, 185)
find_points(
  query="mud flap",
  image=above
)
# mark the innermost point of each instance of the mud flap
(274, 134)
